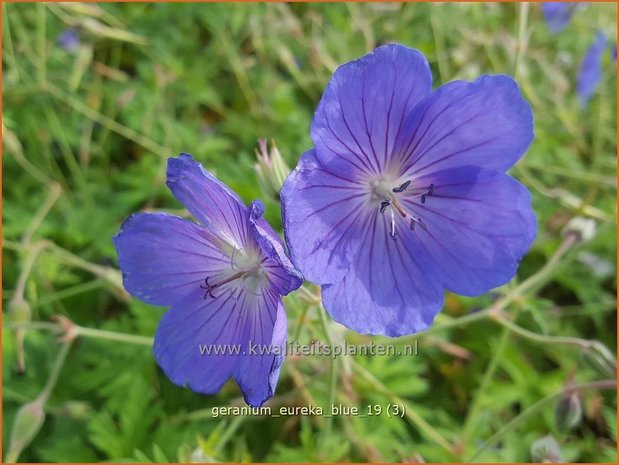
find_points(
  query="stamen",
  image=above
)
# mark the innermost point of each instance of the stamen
(429, 192)
(402, 187)
(417, 221)
(393, 233)
(209, 288)
(384, 204)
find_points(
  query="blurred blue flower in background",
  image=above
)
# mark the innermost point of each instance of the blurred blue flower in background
(69, 39)
(405, 194)
(223, 279)
(558, 14)
(590, 72)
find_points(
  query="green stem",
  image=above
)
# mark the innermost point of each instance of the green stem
(68, 292)
(53, 376)
(54, 193)
(514, 328)
(8, 40)
(229, 432)
(326, 432)
(471, 419)
(33, 253)
(113, 336)
(42, 58)
(522, 39)
(533, 409)
(76, 330)
(118, 128)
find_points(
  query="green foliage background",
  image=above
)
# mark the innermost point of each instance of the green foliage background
(86, 135)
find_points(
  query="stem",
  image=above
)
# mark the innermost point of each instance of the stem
(33, 253)
(53, 376)
(227, 434)
(604, 384)
(471, 419)
(77, 330)
(113, 336)
(514, 328)
(522, 40)
(326, 432)
(118, 128)
(54, 193)
(41, 43)
(9, 42)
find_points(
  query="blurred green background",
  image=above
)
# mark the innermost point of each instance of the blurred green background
(509, 376)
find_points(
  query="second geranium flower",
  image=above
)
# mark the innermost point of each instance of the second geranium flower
(405, 194)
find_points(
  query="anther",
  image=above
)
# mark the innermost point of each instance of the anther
(430, 191)
(402, 187)
(384, 204)
(417, 221)
(209, 288)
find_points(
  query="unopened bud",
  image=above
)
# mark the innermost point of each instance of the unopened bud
(76, 409)
(583, 228)
(271, 169)
(598, 357)
(546, 449)
(19, 313)
(28, 422)
(568, 412)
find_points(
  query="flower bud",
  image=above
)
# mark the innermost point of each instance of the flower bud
(19, 312)
(546, 449)
(76, 409)
(583, 228)
(271, 169)
(600, 359)
(568, 412)
(28, 422)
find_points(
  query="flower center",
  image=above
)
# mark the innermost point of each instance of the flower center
(391, 203)
(245, 267)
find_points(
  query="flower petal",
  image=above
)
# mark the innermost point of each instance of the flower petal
(484, 123)
(209, 200)
(257, 374)
(321, 214)
(162, 257)
(590, 72)
(479, 225)
(201, 343)
(392, 286)
(365, 103)
(283, 274)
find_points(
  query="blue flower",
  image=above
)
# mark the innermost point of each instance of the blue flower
(558, 14)
(405, 193)
(590, 72)
(222, 278)
(69, 40)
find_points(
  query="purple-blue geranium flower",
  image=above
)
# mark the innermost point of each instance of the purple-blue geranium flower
(69, 39)
(405, 192)
(590, 72)
(222, 278)
(558, 14)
